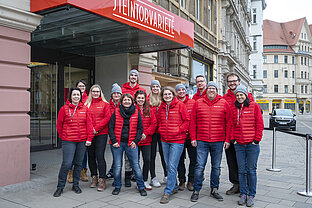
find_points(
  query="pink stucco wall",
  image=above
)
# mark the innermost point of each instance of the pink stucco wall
(145, 77)
(15, 103)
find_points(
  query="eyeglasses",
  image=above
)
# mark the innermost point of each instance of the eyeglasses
(232, 81)
(95, 91)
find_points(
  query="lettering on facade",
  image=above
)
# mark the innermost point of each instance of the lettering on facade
(144, 15)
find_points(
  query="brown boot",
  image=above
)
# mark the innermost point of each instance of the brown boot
(70, 176)
(83, 175)
(101, 185)
(181, 185)
(94, 182)
(190, 186)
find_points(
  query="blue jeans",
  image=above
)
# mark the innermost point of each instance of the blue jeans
(72, 151)
(203, 149)
(84, 162)
(247, 158)
(132, 155)
(172, 154)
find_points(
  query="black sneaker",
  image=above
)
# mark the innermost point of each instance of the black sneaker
(194, 197)
(143, 192)
(58, 192)
(76, 189)
(116, 191)
(215, 194)
(109, 175)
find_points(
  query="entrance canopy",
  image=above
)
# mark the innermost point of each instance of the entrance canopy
(105, 27)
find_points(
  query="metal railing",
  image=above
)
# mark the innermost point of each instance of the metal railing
(308, 138)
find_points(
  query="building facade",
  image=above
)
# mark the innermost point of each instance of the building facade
(287, 65)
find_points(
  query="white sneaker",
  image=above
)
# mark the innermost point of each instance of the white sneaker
(155, 182)
(147, 185)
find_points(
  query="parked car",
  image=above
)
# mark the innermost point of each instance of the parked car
(282, 118)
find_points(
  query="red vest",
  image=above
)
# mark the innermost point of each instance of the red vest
(100, 115)
(133, 123)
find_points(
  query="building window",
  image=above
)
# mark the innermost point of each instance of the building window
(293, 74)
(275, 59)
(209, 14)
(254, 16)
(305, 61)
(301, 75)
(293, 60)
(286, 88)
(301, 61)
(265, 88)
(254, 43)
(286, 74)
(305, 75)
(301, 89)
(306, 89)
(285, 59)
(182, 3)
(198, 9)
(264, 59)
(275, 73)
(293, 88)
(265, 74)
(276, 88)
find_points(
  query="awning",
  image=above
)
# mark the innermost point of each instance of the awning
(104, 27)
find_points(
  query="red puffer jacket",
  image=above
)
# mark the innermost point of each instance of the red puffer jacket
(132, 126)
(84, 97)
(100, 115)
(189, 103)
(230, 98)
(149, 126)
(155, 111)
(112, 106)
(198, 96)
(211, 120)
(249, 126)
(126, 88)
(173, 121)
(75, 129)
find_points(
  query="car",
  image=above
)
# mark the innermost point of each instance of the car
(283, 119)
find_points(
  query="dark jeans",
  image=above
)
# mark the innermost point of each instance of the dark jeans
(84, 162)
(72, 151)
(203, 149)
(232, 164)
(96, 153)
(247, 159)
(146, 153)
(192, 155)
(133, 157)
(156, 140)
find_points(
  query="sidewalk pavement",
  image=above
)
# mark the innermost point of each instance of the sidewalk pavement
(275, 189)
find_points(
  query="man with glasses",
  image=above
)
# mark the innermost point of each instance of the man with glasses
(201, 84)
(210, 132)
(233, 81)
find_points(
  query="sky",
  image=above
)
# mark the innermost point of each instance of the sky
(287, 10)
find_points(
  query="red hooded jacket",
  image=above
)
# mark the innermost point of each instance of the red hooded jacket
(100, 115)
(112, 106)
(149, 126)
(247, 124)
(173, 121)
(230, 97)
(74, 126)
(126, 88)
(211, 120)
(198, 96)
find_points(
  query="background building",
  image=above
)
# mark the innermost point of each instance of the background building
(287, 65)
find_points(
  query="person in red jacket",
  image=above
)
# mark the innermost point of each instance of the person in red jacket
(132, 86)
(201, 84)
(149, 127)
(173, 122)
(74, 127)
(100, 114)
(233, 81)
(154, 100)
(82, 85)
(210, 132)
(183, 97)
(125, 132)
(246, 135)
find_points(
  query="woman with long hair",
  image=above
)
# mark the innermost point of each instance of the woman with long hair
(173, 123)
(125, 132)
(74, 127)
(100, 115)
(149, 127)
(154, 100)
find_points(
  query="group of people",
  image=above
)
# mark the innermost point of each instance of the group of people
(136, 122)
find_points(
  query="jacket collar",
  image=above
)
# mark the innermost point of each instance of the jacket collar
(212, 102)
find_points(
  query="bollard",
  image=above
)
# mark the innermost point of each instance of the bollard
(308, 168)
(274, 169)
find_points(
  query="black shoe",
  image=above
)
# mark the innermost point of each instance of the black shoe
(194, 197)
(116, 191)
(58, 192)
(214, 193)
(76, 189)
(109, 175)
(128, 179)
(143, 192)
